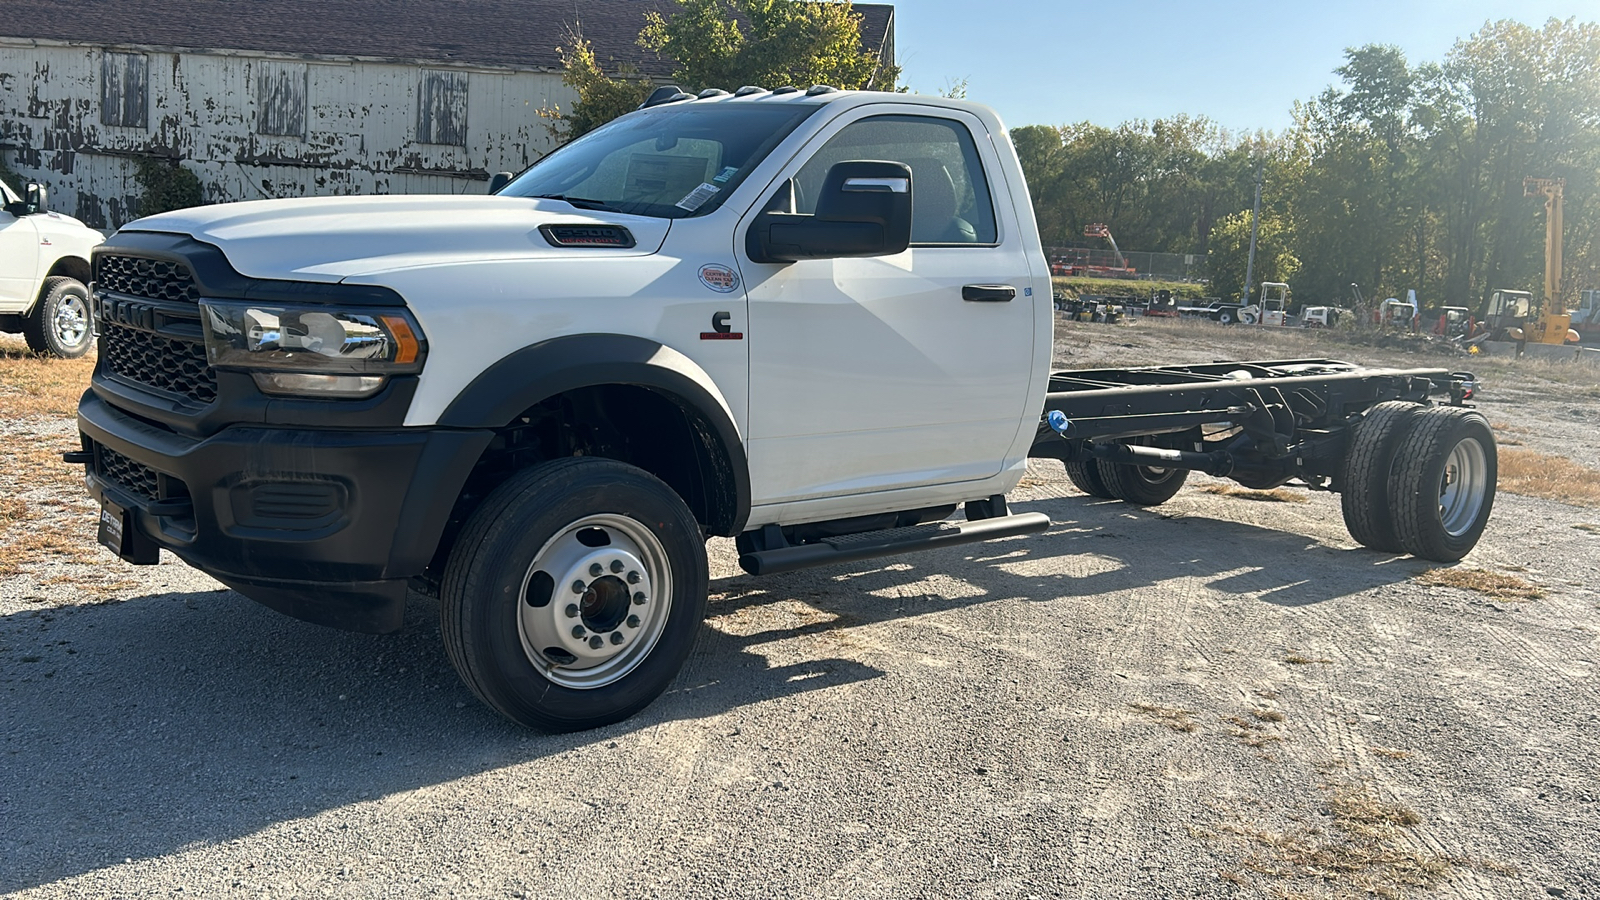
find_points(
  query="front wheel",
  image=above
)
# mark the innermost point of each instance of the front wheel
(574, 593)
(61, 324)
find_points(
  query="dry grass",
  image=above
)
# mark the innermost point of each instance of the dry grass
(1267, 715)
(1535, 474)
(1590, 527)
(1171, 716)
(32, 385)
(1252, 732)
(1391, 752)
(1276, 495)
(1491, 584)
(1365, 852)
(1300, 659)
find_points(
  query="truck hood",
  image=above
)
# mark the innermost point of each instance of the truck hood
(328, 239)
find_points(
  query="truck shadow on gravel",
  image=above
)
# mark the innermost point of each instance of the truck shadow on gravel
(1093, 549)
(135, 729)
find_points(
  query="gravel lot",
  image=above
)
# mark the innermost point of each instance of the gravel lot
(1216, 697)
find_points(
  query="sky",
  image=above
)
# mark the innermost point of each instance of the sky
(1240, 63)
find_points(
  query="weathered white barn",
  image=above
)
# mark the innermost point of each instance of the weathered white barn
(275, 98)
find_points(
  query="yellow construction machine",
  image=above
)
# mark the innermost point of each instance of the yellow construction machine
(1553, 325)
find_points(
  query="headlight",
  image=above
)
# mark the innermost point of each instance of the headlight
(311, 350)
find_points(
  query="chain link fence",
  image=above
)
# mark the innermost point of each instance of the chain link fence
(1136, 264)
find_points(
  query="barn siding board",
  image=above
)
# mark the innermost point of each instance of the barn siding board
(360, 130)
(124, 84)
(280, 98)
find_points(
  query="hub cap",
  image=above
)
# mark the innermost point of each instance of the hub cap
(71, 321)
(594, 601)
(1463, 486)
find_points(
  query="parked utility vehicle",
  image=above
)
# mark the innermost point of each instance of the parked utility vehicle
(815, 321)
(44, 267)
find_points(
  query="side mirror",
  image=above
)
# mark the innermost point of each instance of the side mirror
(36, 199)
(499, 181)
(864, 209)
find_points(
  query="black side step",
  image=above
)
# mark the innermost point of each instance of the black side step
(853, 547)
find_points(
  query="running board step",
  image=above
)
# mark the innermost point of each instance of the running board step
(871, 544)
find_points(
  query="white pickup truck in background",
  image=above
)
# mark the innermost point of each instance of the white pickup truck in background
(814, 321)
(44, 267)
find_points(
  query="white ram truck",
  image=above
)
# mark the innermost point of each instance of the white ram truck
(44, 267)
(815, 321)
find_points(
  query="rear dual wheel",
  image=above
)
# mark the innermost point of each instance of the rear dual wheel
(1419, 480)
(1139, 485)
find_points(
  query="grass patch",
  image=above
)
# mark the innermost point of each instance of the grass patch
(33, 385)
(1392, 752)
(1535, 474)
(1276, 495)
(1590, 527)
(1267, 715)
(1252, 732)
(1498, 585)
(1171, 716)
(1078, 285)
(1364, 850)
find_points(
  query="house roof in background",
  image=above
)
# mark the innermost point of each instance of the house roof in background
(521, 34)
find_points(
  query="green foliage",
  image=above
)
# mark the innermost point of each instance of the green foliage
(1230, 251)
(601, 98)
(786, 42)
(166, 186)
(1399, 176)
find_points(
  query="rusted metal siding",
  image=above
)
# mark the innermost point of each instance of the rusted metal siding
(220, 114)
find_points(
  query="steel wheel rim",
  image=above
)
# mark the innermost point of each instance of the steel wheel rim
(1463, 485)
(561, 615)
(71, 321)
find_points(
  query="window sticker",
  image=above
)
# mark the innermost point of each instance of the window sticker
(725, 174)
(698, 197)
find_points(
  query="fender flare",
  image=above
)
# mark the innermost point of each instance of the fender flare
(539, 371)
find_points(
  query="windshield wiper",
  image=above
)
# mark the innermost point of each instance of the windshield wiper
(580, 202)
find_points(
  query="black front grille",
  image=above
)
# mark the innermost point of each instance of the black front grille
(132, 476)
(166, 364)
(154, 279)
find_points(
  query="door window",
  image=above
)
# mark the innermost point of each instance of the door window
(950, 201)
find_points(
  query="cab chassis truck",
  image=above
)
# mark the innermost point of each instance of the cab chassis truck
(817, 322)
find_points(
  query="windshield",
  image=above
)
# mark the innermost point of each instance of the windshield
(667, 163)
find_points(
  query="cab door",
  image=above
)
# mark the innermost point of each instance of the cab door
(19, 261)
(898, 371)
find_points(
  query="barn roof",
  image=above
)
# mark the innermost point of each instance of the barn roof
(521, 34)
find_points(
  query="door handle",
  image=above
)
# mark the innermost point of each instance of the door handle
(988, 293)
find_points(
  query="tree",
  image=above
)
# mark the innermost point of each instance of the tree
(1230, 253)
(730, 43)
(601, 98)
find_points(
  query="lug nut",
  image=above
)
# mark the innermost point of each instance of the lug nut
(633, 622)
(616, 566)
(596, 643)
(572, 610)
(595, 570)
(578, 631)
(638, 599)
(633, 577)
(616, 637)
(578, 587)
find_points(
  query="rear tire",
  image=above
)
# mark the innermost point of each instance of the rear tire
(574, 594)
(1141, 485)
(61, 323)
(1085, 476)
(1364, 491)
(1442, 488)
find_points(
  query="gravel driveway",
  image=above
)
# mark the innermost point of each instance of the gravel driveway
(1216, 697)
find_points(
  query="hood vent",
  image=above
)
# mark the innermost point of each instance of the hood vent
(599, 236)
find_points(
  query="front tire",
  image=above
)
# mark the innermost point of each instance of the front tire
(574, 593)
(61, 324)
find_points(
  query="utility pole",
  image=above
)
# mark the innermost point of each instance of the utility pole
(1255, 228)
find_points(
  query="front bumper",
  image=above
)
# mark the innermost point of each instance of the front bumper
(322, 524)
